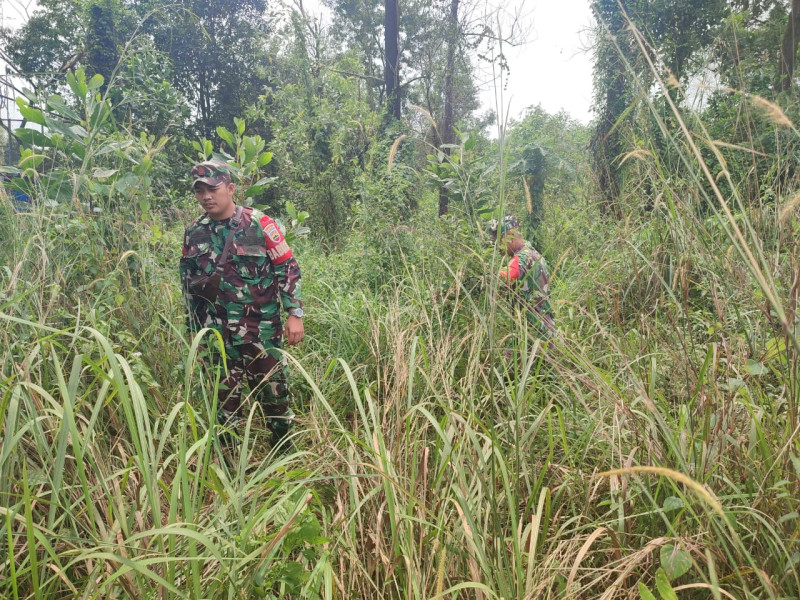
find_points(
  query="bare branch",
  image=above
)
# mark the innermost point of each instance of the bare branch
(21, 8)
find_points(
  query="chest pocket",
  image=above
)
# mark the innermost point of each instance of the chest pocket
(199, 244)
(198, 258)
(199, 249)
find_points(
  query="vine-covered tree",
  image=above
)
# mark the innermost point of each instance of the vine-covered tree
(675, 35)
(613, 95)
(547, 160)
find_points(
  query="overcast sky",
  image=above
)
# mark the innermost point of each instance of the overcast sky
(13, 11)
(554, 68)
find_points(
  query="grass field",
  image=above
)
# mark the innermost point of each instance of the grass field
(649, 450)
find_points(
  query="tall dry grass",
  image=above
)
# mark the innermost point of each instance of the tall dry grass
(443, 451)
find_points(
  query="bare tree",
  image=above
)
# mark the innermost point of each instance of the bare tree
(791, 37)
(391, 34)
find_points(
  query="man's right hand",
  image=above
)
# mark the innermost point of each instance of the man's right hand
(294, 331)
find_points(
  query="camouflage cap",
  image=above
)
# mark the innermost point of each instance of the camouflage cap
(212, 173)
(507, 223)
(491, 229)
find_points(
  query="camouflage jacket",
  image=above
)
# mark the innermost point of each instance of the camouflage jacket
(259, 277)
(528, 274)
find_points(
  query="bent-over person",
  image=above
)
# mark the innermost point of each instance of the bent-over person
(527, 275)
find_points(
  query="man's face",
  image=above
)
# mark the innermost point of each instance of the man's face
(216, 201)
(512, 239)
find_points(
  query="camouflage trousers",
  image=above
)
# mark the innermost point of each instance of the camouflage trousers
(263, 368)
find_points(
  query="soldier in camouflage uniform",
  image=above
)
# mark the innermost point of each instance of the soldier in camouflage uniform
(239, 277)
(527, 275)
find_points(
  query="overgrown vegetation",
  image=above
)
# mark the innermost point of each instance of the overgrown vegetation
(650, 450)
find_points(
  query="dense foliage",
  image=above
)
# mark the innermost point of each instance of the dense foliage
(650, 449)
(717, 60)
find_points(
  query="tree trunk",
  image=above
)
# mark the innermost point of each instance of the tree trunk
(448, 134)
(791, 36)
(606, 143)
(391, 34)
(607, 146)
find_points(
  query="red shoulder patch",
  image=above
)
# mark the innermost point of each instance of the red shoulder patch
(277, 248)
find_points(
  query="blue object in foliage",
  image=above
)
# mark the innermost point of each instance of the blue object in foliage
(22, 202)
(19, 199)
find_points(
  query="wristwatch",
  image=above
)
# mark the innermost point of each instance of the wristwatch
(296, 312)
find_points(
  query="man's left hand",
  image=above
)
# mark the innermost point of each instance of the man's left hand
(294, 330)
